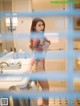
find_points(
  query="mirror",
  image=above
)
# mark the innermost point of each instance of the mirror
(7, 44)
(11, 25)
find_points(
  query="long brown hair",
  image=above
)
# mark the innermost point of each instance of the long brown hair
(32, 30)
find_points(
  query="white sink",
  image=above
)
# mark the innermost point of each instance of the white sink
(6, 82)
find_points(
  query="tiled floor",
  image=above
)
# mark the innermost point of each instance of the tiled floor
(58, 102)
(62, 102)
(62, 86)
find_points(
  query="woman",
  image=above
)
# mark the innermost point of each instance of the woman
(38, 45)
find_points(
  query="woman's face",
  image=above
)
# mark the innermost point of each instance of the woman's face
(39, 26)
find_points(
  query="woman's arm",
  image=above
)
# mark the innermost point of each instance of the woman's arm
(36, 45)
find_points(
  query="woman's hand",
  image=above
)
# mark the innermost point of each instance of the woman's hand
(48, 41)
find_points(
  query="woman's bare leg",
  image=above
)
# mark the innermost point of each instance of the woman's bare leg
(44, 84)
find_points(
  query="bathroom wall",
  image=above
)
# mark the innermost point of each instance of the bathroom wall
(5, 6)
(24, 23)
(53, 65)
(39, 5)
(77, 44)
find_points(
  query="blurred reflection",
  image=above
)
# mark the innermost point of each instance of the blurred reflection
(77, 64)
(77, 44)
